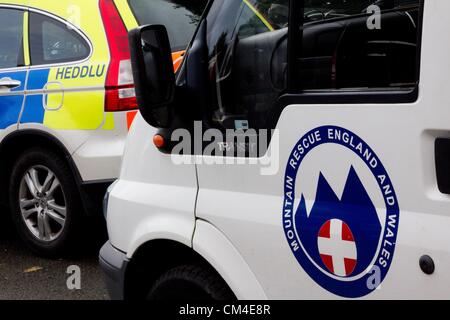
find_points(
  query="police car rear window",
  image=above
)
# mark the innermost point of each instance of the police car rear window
(51, 41)
(179, 16)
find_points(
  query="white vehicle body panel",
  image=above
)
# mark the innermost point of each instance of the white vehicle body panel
(212, 245)
(100, 155)
(96, 153)
(154, 198)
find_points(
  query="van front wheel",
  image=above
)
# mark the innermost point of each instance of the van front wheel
(190, 283)
(44, 202)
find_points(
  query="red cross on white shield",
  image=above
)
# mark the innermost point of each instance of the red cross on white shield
(337, 247)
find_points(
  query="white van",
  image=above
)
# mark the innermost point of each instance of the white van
(351, 197)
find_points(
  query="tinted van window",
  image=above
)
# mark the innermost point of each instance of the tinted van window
(329, 9)
(341, 51)
(353, 47)
(11, 37)
(247, 60)
(179, 16)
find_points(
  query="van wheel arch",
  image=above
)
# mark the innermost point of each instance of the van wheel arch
(147, 264)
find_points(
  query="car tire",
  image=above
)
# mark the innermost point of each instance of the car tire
(190, 283)
(45, 204)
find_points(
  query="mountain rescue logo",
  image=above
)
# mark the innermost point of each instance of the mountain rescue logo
(342, 240)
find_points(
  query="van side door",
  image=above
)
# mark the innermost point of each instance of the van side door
(344, 202)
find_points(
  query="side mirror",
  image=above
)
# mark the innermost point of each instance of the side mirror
(154, 78)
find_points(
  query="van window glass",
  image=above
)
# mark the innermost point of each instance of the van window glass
(179, 16)
(247, 60)
(11, 38)
(348, 45)
(52, 41)
(354, 44)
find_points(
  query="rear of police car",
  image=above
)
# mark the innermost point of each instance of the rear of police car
(69, 120)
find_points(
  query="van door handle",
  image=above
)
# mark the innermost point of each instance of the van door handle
(8, 83)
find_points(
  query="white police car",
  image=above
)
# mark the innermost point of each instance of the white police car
(351, 197)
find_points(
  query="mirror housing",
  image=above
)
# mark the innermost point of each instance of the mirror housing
(153, 72)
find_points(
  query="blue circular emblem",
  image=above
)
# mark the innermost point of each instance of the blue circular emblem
(343, 243)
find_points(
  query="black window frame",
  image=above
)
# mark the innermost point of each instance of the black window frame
(296, 95)
(57, 21)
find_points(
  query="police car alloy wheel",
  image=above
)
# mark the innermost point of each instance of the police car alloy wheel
(42, 203)
(45, 203)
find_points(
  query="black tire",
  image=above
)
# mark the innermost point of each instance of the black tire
(190, 283)
(65, 242)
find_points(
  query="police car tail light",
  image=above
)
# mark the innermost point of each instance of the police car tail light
(126, 82)
(120, 93)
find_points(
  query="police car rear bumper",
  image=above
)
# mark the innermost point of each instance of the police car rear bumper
(113, 263)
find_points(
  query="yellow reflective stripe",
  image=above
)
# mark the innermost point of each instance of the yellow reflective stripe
(126, 14)
(26, 43)
(15, 2)
(259, 15)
